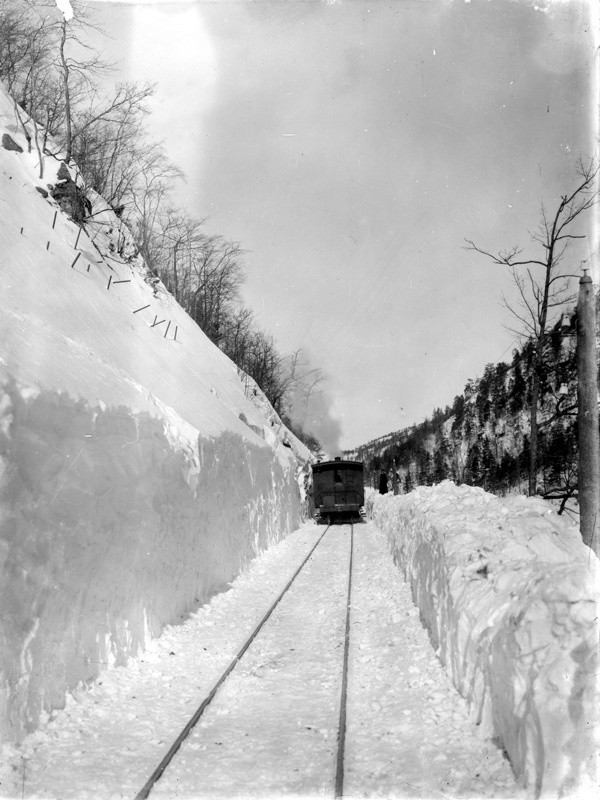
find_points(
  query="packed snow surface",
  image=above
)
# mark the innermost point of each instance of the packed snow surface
(271, 729)
(138, 470)
(508, 593)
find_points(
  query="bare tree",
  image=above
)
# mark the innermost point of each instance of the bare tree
(79, 65)
(218, 277)
(264, 364)
(14, 43)
(181, 241)
(25, 65)
(47, 66)
(154, 184)
(109, 142)
(301, 381)
(237, 335)
(26, 46)
(543, 284)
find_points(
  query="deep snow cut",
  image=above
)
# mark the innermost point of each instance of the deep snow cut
(271, 728)
(139, 470)
(508, 594)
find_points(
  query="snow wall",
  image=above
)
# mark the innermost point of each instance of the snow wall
(139, 469)
(507, 592)
(109, 532)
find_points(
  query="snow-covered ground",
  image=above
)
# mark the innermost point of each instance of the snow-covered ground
(508, 593)
(271, 729)
(138, 470)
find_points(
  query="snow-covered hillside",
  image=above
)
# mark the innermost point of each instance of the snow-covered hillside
(139, 472)
(508, 593)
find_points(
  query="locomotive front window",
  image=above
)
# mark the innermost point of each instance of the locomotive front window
(337, 478)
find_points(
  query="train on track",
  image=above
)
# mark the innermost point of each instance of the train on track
(338, 491)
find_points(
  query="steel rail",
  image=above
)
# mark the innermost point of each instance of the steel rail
(168, 757)
(339, 771)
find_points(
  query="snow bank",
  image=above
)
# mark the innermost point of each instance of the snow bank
(109, 532)
(507, 592)
(139, 471)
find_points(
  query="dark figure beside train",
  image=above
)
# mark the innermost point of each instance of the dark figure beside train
(338, 489)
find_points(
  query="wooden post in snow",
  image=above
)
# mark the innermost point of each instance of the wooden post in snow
(587, 415)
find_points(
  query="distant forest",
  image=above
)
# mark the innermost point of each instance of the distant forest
(482, 438)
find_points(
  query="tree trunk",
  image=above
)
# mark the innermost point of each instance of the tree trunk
(175, 276)
(65, 68)
(536, 376)
(533, 428)
(36, 139)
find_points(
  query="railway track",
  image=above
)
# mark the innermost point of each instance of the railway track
(153, 786)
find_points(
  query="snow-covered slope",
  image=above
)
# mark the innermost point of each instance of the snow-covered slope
(508, 593)
(138, 471)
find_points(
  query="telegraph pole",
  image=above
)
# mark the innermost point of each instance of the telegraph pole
(587, 415)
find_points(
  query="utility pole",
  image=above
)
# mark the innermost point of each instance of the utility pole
(587, 415)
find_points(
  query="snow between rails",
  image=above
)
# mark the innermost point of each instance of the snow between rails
(507, 592)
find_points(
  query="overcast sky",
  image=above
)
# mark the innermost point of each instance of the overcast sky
(351, 147)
